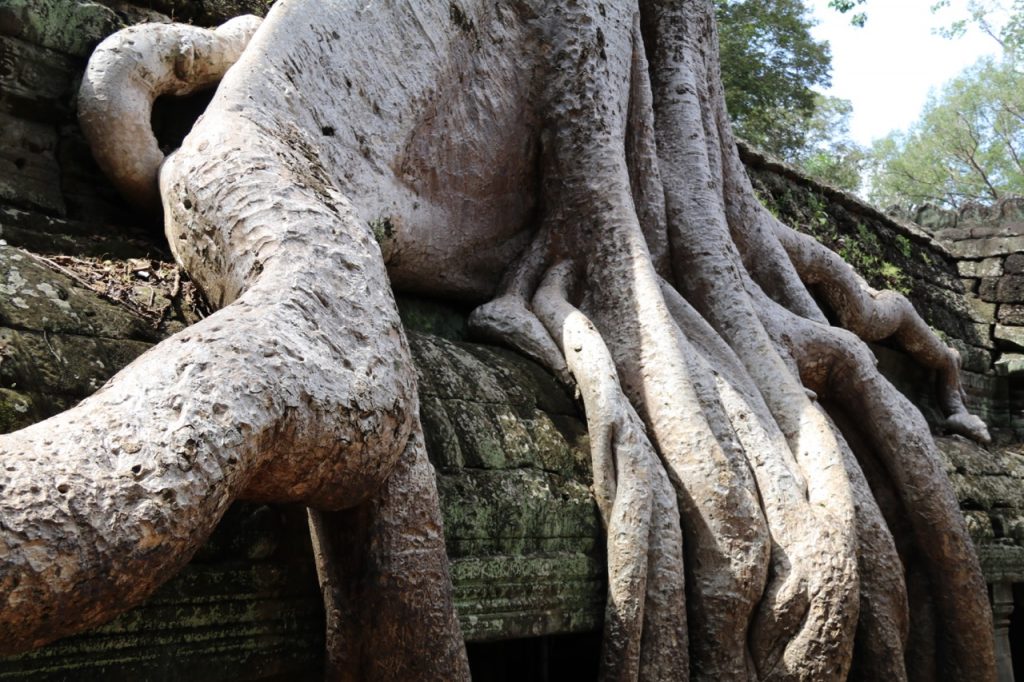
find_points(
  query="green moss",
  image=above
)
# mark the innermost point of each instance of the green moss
(69, 26)
(15, 411)
(383, 229)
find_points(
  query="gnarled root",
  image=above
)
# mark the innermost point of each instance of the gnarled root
(751, 533)
(384, 574)
(874, 315)
(664, 312)
(126, 74)
(646, 602)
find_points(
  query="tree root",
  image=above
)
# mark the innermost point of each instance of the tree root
(126, 74)
(755, 530)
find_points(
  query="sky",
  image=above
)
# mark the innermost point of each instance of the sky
(887, 68)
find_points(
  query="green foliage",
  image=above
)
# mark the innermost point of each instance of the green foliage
(967, 146)
(1001, 20)
(872, 256)
(828, 154)
(858, 19)
(770, 67)
(770, 63)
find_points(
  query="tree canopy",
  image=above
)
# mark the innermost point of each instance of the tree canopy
(772, 67)
(1002, 21)
(967, 145)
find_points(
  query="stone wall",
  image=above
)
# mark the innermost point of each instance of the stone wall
(894, 253)
(988, 245)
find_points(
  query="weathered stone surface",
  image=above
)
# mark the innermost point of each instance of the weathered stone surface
(981, 335)
(44, 234)
(35, 298)
(987, 289)
(1014, 263)
(1010, 289)
(1010, 335)
(979, 310)
(1009, 364)
(1005, 289)
(989, 267)
(953, 234)
(35, 83)
(29, 175)
(985, 248)
(990, 481)
(16, 408)
(73, 27)
(934, 218)
(1011, 313)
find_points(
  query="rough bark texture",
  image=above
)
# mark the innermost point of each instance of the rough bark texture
(764, 489)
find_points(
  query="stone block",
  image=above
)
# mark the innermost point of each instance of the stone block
(979, 310)
(1011, 313)
(29, 175)
(933, 218)
(73, 27)
(1010, 364)
(1010, 289)
(986, 288)
(35, 298)
(980, 334)
(1013, 336)
(986, 247)
(953, 234)
(972, 358)
(989, 267)
(1014, 264)
(35, 83)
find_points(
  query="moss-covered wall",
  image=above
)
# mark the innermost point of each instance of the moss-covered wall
(890, 252)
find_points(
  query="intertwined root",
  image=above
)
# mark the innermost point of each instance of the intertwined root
(683, 315)
(126, 74)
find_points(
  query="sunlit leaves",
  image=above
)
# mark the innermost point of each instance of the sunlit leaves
(967, 146)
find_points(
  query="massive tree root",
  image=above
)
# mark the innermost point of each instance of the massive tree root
(774, 508)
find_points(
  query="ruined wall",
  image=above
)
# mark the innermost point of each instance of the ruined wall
(988, 244)
(894, 253)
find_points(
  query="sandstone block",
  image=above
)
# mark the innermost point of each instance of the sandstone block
(1011, 313)
(1014, 263)
(1010, 335)
(985, 248)
(989, 267)
(29, 175)
(979, 310)
(1010, 364)
(73, 27)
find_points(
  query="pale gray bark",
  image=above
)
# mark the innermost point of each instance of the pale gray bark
(572, 164)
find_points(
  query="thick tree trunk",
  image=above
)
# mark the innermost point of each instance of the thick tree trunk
(570, 166)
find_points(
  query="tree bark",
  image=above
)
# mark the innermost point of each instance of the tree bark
(571, 167)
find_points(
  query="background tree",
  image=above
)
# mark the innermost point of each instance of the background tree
(770, 66)
(1001, 20)
(774, 508)
(828, 153)
(968, 144)
(771, 69)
